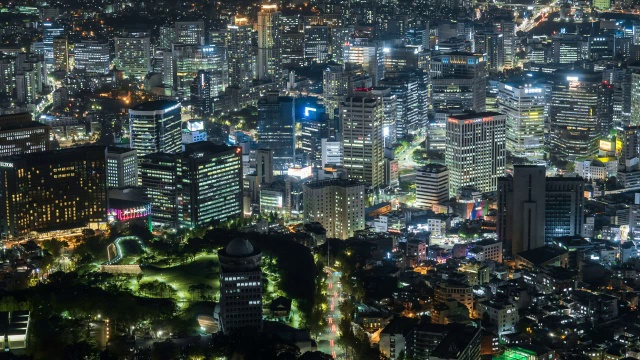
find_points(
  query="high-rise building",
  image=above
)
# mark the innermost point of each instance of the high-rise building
(331, 152)
(458, 83)
(264, 166)
(240, 303)
(475, 151)
(133, 55)
(20, 135)
(408, 115)
(314, 128)
(276, 128)
(573, 114)
(337, 204)
(361, 120)
(339, 82)
(432, 185)
(189, 32)
(211, 184)
(521, 209)
(92, 57)
(50, 31)
(490, 44)
(269, 43)
(52, 190)
(564, 207)
(122, 167)
(241, 60)
(316, 43)
(201, 93)
(155, 126)
(524, 104)
(61, 53)
(195, 188)
(391, 123)
(368, 54)
(507, 40)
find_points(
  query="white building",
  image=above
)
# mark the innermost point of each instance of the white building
(504, 316)
(122, 167)
(486, 249)
(337, 204)
(596, 169)
(331, 152)
(432, 185)
(155, 126)
(92, 57)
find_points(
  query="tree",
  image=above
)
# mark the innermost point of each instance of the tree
(54, 246)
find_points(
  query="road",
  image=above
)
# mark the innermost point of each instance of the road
(328, 341)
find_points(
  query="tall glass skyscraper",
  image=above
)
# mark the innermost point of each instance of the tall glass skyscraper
(155, 126)
(276, 123)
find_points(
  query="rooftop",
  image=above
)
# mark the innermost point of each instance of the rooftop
(155, 105)
(541, 255)
(470, 116)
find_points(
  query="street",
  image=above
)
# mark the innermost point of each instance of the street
(327, 342)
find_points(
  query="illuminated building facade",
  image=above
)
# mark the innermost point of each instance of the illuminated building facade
(133, 55)
(276, 128)
(126, 210)
(361, 119)
(475, 151)
(20, 135)
(61, 53)
(573, 114)
(368, 54)
(337, 204)
(240, 59)
(122, 167)
(92, 57)
(432, 185)
(155, 126)
(316, 43)
(524, 104)
(52, 190)
(269, 42)
(189, 32)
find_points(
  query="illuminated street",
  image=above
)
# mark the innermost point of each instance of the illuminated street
(328, 341)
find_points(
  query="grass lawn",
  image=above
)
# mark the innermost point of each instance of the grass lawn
(203, 270)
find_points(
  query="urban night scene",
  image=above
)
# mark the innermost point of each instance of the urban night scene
(319, 179)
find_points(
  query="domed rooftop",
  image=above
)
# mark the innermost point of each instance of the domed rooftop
(239, 247)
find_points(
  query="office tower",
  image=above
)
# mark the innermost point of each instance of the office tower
(155, 126)
(368, 54)
(507, 41)
(61, 53)
(634, 102)
(21, 135)
(568, 48)
(211, 189)
(276, 128)
(7, 74)
(50, 31)
(159, 177)
(240, 57)
(92, 57)
(573, 114)
(187, 60)
(269, 43)
(475, 151)
(337, 204)
(292, 49)
(133, 55)
(189, 32)
(240, 303)
(29, 77)
(389, 100)
(340, 36)
(521, 209)
(628, 172)
(405, 88)
(432, 185)
(524, 105)
(564, 207)
(313, 128)
(52, 190)
(194, 132)
(201, 94)
(602, 4)
(122, 167)
(331, 152)
(167, 36)
(605, 109)
(264, 166)
(491, 45)
(458, 83)
(316, 43)
(361, 121)
(402, 58)
(339, 82)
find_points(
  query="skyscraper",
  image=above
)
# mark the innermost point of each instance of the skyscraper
(52, 190)
(276, 123)
(122, 167)
(564, 207)
(521, 209)
(269, 42)
(189, 32)
(241, 61)
(432, 185)
(92, 57)
(337, 204)
(573, 114)
(61, 53)
(361, 120)
(368, 54)
(524, 104)
(201, 93)
(338, 82)
(240, 303)
(133, 55)
(316, 43)
(264, 166)
(475, 151)
(155, 126)
(458, 83)
(21, 135)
